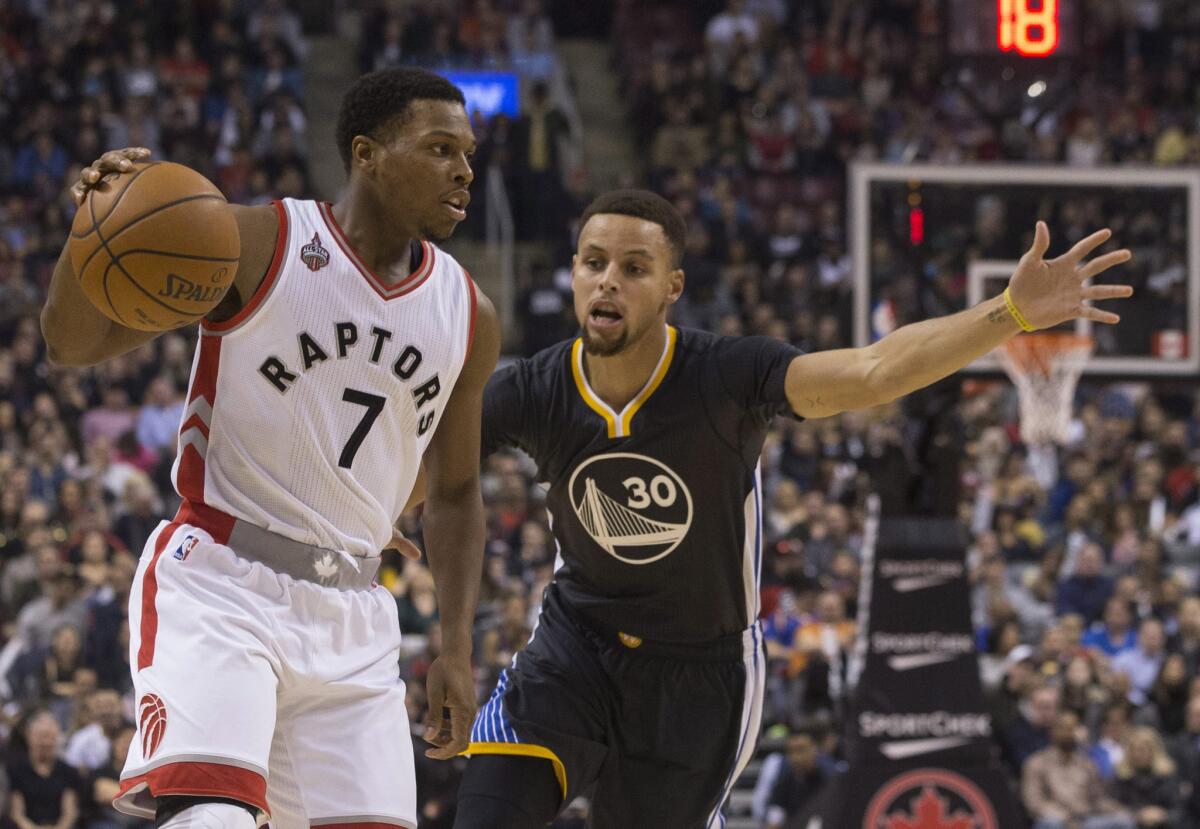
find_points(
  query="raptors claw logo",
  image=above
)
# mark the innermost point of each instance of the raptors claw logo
(152, 723)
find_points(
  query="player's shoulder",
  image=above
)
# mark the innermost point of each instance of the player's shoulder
(549, 364)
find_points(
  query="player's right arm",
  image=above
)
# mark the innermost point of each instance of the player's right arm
(77, 334)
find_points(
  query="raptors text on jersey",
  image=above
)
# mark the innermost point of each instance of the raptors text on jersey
(308, 412)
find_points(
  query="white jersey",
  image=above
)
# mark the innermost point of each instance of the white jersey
(308, 412)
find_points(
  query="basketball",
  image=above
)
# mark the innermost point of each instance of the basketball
(155, 248)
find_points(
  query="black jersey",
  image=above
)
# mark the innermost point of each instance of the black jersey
(657, 509)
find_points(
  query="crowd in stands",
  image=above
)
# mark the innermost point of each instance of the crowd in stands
(1085, 576)
(491, 35)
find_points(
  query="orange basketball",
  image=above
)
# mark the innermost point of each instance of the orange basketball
(155, 248)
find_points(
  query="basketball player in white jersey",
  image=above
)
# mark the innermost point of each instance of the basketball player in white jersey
(348, 349)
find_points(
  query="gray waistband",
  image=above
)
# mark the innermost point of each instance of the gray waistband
(328, 568)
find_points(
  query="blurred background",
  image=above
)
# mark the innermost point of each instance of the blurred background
(776, 127)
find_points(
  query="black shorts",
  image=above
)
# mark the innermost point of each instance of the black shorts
(654, 733)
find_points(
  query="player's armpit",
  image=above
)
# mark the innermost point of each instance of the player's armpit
(826, 383)
(258, 227)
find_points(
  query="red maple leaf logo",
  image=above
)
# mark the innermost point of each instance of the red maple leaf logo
(929, 812)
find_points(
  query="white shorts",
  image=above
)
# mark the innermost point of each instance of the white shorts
(266, 689)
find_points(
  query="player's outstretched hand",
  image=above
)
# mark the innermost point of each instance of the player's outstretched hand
(403, 546)
(113, 161)
(1047, 292)
(451, 688)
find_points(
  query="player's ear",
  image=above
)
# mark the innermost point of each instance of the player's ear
(675, 286)
(363, 153)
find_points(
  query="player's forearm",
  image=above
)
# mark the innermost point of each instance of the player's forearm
(76, 333)
(455, 534)
(922, 353)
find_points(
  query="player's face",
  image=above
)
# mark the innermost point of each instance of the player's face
(624, 278)
(423, 173)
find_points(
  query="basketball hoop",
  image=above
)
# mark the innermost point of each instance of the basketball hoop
(1045, 366)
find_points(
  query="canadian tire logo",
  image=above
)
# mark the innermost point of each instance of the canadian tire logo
(636, 508)
(152, 723)
(930, 798)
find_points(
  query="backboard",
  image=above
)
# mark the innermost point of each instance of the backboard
(929, 240)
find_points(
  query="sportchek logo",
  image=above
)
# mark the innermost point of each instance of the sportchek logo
(907, 651)
(919, 574)
(927, 732)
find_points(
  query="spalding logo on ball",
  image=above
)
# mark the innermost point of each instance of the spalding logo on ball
(155, 248)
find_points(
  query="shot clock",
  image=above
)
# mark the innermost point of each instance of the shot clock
(1022, 30)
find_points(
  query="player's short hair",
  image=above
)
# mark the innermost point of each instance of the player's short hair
(643, 204)
(380, 99)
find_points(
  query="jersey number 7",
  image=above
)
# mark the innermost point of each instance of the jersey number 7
(374, 404)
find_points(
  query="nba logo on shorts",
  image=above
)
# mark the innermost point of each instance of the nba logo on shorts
(152, 723)
(189, 544)
(314, 254)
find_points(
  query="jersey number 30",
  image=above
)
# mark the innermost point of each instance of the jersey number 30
(374, 405)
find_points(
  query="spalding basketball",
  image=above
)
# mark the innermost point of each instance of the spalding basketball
(156, 247)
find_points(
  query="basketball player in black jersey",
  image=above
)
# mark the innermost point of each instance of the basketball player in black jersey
(642, 685)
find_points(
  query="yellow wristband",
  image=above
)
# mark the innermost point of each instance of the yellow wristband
(1012, 309)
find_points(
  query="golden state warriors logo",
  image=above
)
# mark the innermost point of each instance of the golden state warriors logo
(636, 508)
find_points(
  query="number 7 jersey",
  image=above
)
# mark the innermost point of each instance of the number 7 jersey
(308, 412)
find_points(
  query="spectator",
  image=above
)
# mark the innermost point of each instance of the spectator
(798, 783)
(1031, 732)
(44, 788)
(1143, 662)
(1169, 694)
(160, 415)
(1086, 591)
(1116, 634)
(103, 784)
(1185, 751)
(1060, 786)
(91, 746)
(1146, 782)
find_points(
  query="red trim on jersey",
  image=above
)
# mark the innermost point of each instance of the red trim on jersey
(388, 292)
(474, 304)
(264, 287)
(189, 478)
(201, 780)
(210, 519)
(145, 656)
(195, 421)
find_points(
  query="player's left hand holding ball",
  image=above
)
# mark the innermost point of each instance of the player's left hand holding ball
(451, 689)
(1048, 292)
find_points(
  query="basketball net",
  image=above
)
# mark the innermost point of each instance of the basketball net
(1045, 366)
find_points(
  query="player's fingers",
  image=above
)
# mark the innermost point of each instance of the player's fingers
(435, 693)
(1086, 245)
(1096, 315)
(461, 720)
(1093, 292)
(1102, 263)
(404, 547)
(1041, 241)
(77, 194)
(135, 153)
(114, 161)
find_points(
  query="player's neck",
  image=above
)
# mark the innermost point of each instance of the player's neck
(619, 378)
(386, 253)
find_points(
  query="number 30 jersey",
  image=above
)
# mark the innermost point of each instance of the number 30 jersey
(308, 411)
(657, 508)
